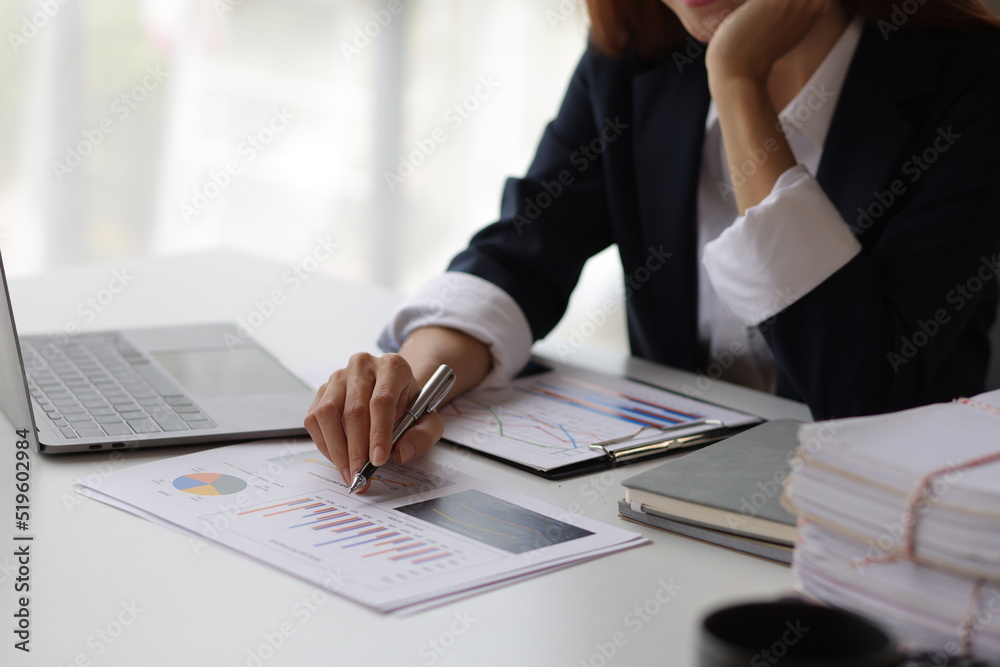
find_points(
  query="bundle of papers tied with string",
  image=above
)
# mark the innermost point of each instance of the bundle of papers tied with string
(900, 521)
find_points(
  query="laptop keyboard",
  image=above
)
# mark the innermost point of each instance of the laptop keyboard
(99, 386)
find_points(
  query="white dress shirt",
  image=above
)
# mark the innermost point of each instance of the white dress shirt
(753, 266)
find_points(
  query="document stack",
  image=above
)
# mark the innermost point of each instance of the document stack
(899, 520)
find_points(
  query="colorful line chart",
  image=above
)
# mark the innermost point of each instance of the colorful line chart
(389, 482)
(559, 416)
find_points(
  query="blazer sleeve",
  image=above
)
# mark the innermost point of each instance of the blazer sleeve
(905, 322)
(554, 218)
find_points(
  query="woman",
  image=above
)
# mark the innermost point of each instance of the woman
(840, 252)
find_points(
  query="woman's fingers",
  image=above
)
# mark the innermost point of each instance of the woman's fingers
(356, 415)
(394, 388)
(352, 416)
(324, 422)
(419, 439)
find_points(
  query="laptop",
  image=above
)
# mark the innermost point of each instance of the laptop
(139, 388)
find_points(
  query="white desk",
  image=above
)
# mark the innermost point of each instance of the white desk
(218, 608)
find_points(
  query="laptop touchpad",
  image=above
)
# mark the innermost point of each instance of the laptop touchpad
(222, 372)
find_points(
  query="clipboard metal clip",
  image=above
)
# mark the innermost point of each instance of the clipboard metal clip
(645, 448)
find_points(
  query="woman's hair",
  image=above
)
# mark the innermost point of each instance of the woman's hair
(653, 30)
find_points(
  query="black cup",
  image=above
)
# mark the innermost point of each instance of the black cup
(791, 633)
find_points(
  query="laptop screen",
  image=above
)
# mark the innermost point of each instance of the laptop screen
(13, 386)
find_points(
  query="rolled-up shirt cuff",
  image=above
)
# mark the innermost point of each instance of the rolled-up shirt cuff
(473, 306)
(780, 250)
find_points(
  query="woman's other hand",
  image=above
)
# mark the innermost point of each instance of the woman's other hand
(753, 37)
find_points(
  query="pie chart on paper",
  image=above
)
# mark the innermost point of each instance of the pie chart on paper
(209, 484)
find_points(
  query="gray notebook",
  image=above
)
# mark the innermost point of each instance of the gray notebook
(782, 553)
(733, 486)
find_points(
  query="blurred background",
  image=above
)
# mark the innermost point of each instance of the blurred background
(388, 127)
(143, 127)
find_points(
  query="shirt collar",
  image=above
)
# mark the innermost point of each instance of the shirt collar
(811, 110)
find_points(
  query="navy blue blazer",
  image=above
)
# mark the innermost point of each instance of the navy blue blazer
(910, 162)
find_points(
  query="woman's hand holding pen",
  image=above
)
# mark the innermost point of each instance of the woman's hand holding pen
(352, 415)
(351, 419)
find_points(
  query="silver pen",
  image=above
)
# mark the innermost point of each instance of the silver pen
(427, 401)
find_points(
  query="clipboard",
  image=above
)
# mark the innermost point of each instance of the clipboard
(562, 422)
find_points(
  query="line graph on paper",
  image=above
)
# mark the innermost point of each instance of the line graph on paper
(552, 419)
(390, 481)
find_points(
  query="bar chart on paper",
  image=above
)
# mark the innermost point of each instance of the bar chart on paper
(552, 419)
(423, 534)
(319, 527)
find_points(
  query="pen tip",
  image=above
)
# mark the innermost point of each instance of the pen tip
(358, 482)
